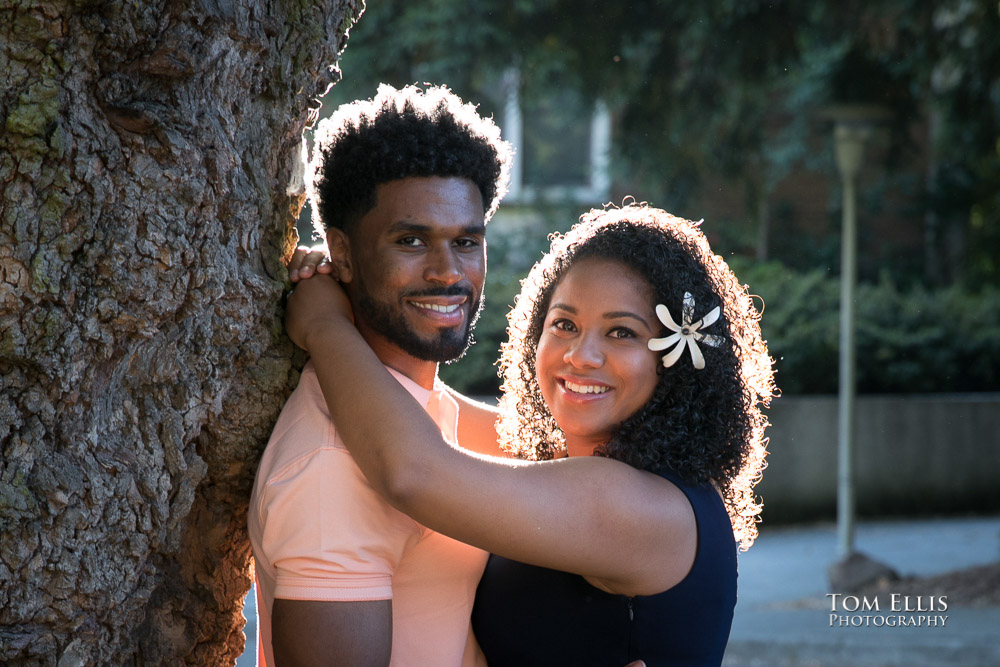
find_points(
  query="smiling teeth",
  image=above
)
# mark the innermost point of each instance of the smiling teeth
(586, 388)
(436, 308)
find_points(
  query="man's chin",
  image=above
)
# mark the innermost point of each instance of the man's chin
(446, 345)
(416, 336)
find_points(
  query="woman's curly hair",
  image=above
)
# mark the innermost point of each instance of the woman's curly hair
(704, 425)
(400, 134)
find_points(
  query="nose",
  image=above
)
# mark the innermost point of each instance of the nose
(443, 267)
(584, 352)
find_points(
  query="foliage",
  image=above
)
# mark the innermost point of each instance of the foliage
(733, 89)
(908, 340)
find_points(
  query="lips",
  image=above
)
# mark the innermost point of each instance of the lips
(437, 307)
(584, 389)
(440, 311)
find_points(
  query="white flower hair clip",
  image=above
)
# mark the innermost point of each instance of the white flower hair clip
(688, 334)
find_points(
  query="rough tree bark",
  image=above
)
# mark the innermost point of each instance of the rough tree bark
(146, 151)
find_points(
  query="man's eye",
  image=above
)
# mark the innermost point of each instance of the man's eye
(467, 243)
(413, 241)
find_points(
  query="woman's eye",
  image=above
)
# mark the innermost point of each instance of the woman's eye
(622, 332)
(562, 325)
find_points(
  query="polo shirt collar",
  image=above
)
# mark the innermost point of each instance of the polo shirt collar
(438, 403)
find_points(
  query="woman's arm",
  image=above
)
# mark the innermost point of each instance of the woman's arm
(476, 420)
(627, 531)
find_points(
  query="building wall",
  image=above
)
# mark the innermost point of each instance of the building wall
(914, 455)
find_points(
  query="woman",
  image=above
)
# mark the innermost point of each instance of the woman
(634, 380)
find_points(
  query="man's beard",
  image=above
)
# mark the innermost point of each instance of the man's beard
(449, 344)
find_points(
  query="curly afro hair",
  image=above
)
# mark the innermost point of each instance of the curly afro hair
(705, 425)
(400, 134)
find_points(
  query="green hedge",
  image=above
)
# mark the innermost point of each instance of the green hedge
(912, 340)
(908, 340)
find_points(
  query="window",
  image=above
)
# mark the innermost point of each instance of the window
(561, 145)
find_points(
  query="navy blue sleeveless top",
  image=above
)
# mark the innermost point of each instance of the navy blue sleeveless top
(526, 615)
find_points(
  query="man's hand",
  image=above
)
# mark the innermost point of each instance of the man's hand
(307, 262)
(315, 303)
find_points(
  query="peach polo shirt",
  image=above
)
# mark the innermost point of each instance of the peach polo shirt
(320, 532)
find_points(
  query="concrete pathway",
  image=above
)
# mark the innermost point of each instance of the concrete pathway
(784, 615)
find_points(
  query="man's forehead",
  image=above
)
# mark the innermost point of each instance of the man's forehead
(432, 202)
(472, 228)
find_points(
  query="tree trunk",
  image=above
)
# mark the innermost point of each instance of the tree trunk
(146, 155)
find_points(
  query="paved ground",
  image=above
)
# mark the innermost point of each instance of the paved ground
(783, 616)
(249, 657)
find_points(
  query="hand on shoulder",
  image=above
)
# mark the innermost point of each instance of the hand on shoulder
(313, 306)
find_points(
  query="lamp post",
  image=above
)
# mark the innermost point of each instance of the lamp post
(853, 126)
(849, 148)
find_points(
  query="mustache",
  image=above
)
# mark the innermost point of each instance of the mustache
(451, 290)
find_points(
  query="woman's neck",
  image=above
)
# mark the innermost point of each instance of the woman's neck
(581, 446)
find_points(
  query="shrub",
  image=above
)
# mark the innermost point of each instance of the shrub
(914, 340)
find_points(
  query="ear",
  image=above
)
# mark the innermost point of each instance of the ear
(339, 246)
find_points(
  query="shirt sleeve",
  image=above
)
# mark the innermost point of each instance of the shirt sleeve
(329, 536)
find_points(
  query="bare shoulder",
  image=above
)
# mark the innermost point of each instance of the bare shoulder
(665, 534)
(663, 506)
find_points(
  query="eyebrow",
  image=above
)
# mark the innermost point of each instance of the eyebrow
(613, 315)
(476, 229)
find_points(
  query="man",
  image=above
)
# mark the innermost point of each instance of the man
(404, 185)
